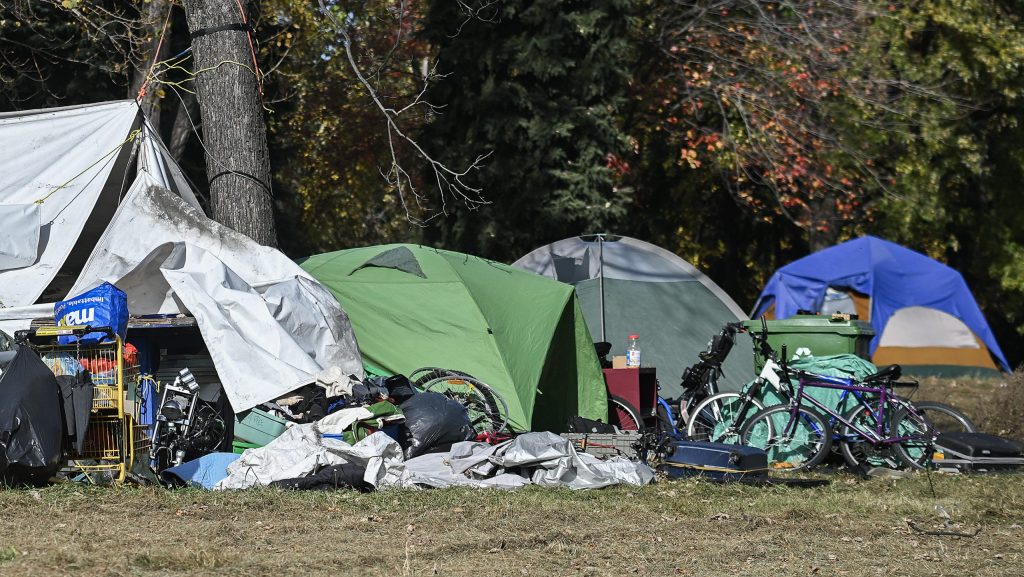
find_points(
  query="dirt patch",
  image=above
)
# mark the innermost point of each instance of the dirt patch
(995, 405)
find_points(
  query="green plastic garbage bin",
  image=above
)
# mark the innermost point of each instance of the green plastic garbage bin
(815, 335)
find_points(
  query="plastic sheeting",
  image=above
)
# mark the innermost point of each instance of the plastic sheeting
(31, 426)
(151, 215)
(301, 451)
(534, 458)
(63, 157)
(265, 341)
(544, 459)
(19, 237)
(276, 328)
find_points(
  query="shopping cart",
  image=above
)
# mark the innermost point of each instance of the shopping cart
(114, 440)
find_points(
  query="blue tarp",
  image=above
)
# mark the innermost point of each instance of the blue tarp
(893, 276)
(205, 472)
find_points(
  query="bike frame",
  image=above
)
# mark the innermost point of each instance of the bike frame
(877, 437)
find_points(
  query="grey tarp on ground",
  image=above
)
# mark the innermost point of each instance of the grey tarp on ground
(264, 340)
(538, 458)
(542, 458)
(301, 451)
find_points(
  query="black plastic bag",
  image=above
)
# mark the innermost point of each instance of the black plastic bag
(434, 422)
(31, 421)
(399, 388)
(579, 424)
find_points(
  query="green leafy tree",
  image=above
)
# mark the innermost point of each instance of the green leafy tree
(956, 184)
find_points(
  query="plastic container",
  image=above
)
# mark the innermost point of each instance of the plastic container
(258, 427)
(814, 335)
(239, 447)
(633, 352)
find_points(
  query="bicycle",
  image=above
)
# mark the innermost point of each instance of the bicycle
(881, 426)
(717, 417)
(699, 382)
(720, 417)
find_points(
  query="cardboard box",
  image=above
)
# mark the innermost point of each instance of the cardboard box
(619, 362)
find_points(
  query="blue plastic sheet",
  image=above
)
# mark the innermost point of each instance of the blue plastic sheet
(203, 472)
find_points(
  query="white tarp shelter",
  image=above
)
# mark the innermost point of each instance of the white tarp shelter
(89, 193)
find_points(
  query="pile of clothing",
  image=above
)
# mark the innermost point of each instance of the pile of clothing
(418, 421)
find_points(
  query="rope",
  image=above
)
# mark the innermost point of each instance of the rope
(131, 137)
(252, 48)
(156, 54)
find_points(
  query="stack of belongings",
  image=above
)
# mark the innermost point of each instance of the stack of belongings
(418, 421)
(382, 433)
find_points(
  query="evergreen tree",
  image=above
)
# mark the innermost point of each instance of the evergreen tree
(539, 85)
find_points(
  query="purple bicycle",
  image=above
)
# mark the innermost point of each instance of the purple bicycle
(882, 429)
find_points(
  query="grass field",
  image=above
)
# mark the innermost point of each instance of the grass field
(851, 527)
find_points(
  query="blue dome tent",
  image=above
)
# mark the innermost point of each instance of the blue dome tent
(923, 313)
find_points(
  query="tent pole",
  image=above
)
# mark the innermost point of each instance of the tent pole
(600, 281)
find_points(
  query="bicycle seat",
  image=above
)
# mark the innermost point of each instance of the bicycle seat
(890, 373)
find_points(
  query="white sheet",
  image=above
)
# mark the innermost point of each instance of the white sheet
(150, 215)
(19, 235)
(264, 342)
(69, 152)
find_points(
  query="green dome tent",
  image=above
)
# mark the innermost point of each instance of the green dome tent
(628, 286)
(413, 306)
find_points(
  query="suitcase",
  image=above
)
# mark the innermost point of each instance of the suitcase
(714, 460)
(978, 451)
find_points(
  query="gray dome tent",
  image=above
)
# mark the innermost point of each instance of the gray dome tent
(648, 290)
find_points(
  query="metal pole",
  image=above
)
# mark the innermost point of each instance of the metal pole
(600, 281)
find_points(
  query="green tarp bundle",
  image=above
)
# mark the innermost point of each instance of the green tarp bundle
(413, 306)
(843, 366)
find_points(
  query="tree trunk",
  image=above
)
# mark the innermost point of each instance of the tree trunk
(234, 134)
(824, 222)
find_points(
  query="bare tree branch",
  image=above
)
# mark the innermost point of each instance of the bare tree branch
(451, 185)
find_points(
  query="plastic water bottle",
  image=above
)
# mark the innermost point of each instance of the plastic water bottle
(633, 352)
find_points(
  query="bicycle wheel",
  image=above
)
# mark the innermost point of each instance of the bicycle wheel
(856, 450)
(795, 446)
(487, 409)
(424, 375)
(916, 452)
(717, 418)
(622, 414)
(944, 418)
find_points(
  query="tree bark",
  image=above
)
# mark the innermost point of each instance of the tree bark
(234, 133)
